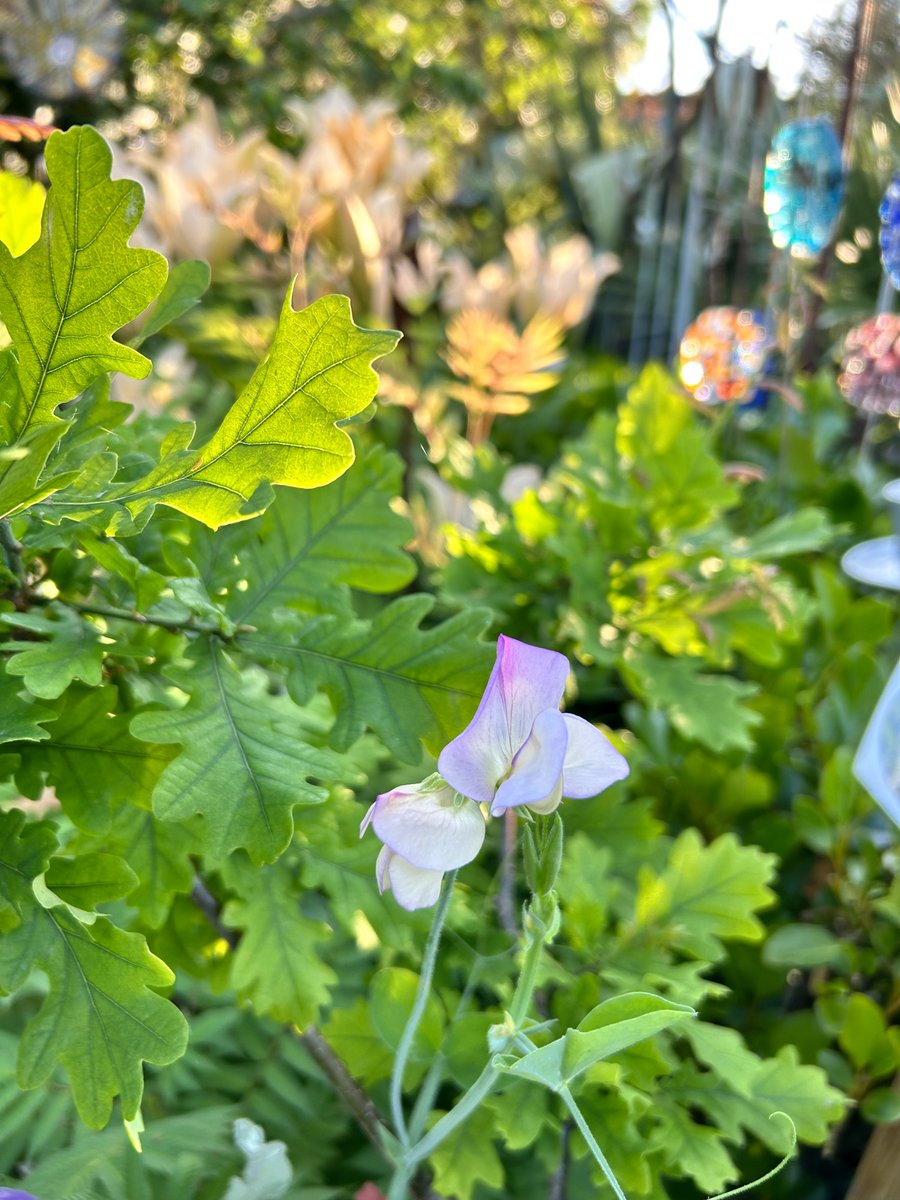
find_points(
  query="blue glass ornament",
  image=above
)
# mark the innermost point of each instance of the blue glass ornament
(804, 187)
(889, 237)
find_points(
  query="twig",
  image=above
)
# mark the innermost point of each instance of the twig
(346, 1088)
(212, 910)
(184, 625)
(12, 551)
(559, 1181)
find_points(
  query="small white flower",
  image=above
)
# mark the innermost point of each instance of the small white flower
(427, 829)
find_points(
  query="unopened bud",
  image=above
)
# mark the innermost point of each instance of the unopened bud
(541, 918)
(499, 1036)
(551, 857)
(531, 860)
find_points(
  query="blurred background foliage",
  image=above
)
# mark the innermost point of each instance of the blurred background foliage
(524, 111)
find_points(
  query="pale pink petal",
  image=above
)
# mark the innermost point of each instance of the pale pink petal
(367, 819)
(526, 680)
(536, 775)
(592, 763)
(412, 886)
(476, 760)
(430, 829)
(382, 862)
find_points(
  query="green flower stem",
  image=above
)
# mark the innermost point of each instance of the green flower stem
(418, 1009)
(461, 1111)
(427, 1092)
(578, 1117)
(521, 1001)
(400, 1181)
(425, 1099)
(484, 1084)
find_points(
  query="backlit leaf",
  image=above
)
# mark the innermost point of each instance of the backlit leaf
(784, 1084)
(794, 533)
(159, 853)
(693, 1149)
(72, 650)
(90, 879)
(63, 299)
(391, 998)
(707, 894)
(21, 205)
(703, 708)
(19, 718)
(668, 454)
(21, 467)
(468, 1158)
(186, 284)
(279, 962)
(284, 428)
(92, 761)
(308, 541)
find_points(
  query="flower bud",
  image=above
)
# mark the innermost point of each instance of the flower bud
(531, 860)
(499, 1036)
(541, 917)
(542, 847)
(551, 856)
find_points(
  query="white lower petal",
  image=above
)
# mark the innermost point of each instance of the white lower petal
(433, 830)
(412, 886)
(382, 862)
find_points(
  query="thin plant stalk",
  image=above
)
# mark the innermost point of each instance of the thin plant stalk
(480, 1089)
(432, 1081)
(578, 1117)
(418, 1009)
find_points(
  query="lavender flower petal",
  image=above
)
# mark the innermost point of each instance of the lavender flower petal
(526, 680)
(591, 762)
(536, 775)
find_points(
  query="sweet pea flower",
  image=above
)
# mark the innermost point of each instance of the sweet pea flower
(519, 748)
(13, 1194)
(427, 829)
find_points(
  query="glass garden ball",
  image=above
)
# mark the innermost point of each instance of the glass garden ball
(870, 378)
(804, 187)
(889, 211)
(723, 355)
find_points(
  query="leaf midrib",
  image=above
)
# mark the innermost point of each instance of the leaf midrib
(223, 697)
(354, 664)
(338, 517)
(45, 370)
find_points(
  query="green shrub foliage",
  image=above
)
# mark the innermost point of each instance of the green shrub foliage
(215, 656)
